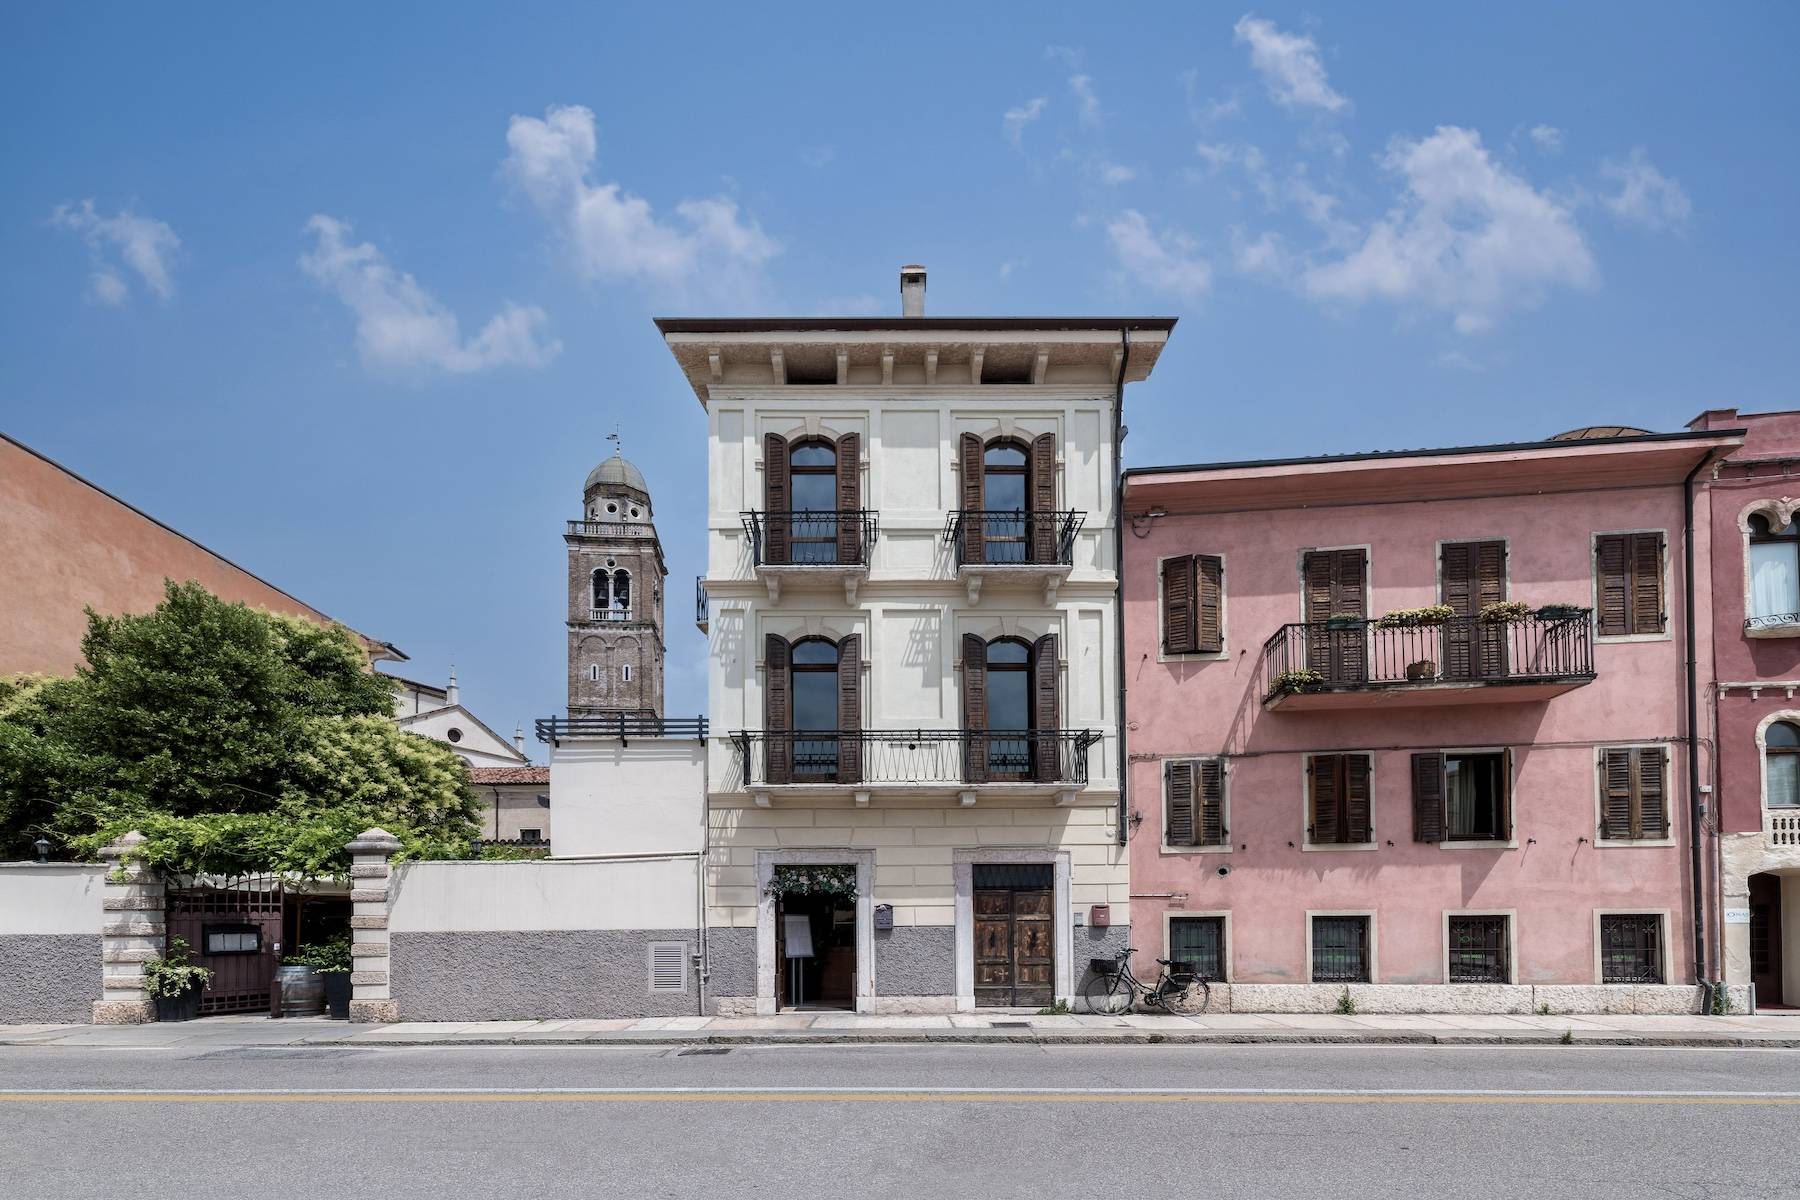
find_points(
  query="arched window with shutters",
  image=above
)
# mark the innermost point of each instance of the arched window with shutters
(812, 710)
(1010, 709)
(811, 502)
(1008, 501)
(1781, 765)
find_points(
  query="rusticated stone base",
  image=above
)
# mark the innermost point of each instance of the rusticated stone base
(373, 1012)
(124, 1012)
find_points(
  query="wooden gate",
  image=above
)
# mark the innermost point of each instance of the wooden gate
(1015, 935)
(232, 927)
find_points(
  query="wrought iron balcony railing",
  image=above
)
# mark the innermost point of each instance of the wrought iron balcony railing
(702, 604)
(623, 726)
(1009, 538)
(914, 756)
(811, 539)
(1345, 654)
(612, 529)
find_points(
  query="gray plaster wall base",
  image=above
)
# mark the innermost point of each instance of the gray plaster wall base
(541, 974)
(915, 960)
(1104, 941)
(49, 978)
(731, 971)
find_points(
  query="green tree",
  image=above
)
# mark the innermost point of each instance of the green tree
(237, 739)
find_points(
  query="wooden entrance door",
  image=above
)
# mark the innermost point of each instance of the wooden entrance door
(1336, 587)
(1015, 936)
(1474, 576)
(1765, 938)
(232, 930)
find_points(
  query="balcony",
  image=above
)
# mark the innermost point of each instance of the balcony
(915, 761)
(702, 605)
(1037, 548)
(1782, 826)
(1343, 664)
(611, 529)
(810, 547)
(620, 726)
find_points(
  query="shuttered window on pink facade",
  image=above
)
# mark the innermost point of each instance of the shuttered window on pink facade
(1193, 603)
(1628, 584)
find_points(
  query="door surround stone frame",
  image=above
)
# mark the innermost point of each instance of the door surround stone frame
(963, 861)
(766, 862)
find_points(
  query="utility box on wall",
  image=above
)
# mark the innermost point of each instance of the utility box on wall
(1100, 915)
(884, 916)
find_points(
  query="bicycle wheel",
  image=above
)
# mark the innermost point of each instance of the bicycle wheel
(1190, 999)
(1107, 994)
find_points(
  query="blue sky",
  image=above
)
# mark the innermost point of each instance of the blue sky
(353, 293)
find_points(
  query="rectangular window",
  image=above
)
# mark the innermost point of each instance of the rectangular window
(531, 835)
(1631, 948)
(1199, 942)
(1337, 802)
(231, 939)
(1628, 581)
(1774, 577)
(1634, 790)
(1194, 803)
(1340, 949)
(1193, 601)
(1478, 950)
(1475, 797)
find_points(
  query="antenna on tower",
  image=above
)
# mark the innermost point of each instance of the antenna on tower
(618, 445)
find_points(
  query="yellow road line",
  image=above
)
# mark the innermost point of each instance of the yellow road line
(826, 1097)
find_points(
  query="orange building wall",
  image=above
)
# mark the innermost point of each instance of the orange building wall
(64, 544)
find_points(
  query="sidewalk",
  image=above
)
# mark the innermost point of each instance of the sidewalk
(801, 1028)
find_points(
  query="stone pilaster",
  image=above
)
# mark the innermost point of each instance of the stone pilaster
(371, 998)
(131, 934)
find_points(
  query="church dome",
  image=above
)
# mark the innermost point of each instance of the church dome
(616, 472)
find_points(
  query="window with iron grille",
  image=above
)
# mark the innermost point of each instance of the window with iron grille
(1478, 950)
(1631, 948)
(1340, 950)
(1200, 942)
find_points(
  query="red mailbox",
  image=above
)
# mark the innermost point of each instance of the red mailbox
(1100, 915)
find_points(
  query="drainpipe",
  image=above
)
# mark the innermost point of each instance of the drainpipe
(1696, 809)
(1119, 569)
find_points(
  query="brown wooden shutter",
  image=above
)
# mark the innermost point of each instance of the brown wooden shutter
(1652, 793)
(1212, 802)
(1612, 584)
(1046, 721)
(1506, 793)
(1615, 794)
(974, 696)
(1179, 627)
(1323, 776)
(1356, 797)
(1178, 803)
(1490, 588)
(1428, 797)
(778, 709)
(973, 528)
(1647, 583)
(1318, 571)
(778, 499)
(1458, 590)
(849, 718)
(1209, 595)
(1043, 498)
(849, 498)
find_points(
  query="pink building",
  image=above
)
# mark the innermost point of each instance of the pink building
(1751, 713)
(1348, 766)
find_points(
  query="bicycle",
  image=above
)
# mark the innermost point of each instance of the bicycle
(1114, 988)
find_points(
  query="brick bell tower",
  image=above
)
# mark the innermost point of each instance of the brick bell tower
(616, 574)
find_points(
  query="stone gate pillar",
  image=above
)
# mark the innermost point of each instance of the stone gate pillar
(371, 997)
(131, 934)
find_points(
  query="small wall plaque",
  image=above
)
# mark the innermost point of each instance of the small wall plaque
(884, 916)
(1737, 916)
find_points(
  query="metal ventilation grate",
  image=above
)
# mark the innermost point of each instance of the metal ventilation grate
(668, 966)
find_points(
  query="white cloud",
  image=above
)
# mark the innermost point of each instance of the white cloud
(1548, 138)
(1114, 173)
(1165, 262)
(1087, 104)
(616, 235)
(1008, 267)
(1265, 257)
(1646, 196)
(1215, 154)
(1289, 64)
(1014, 120)
(145, 245)
(403, 329)
(1468, 237)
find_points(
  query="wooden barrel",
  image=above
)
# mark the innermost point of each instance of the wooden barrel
(302, 991)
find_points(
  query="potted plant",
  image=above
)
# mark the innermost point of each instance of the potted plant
(835, 880)
(1424, 669)
(331, 963)
(1406, 618)
(1303, 680)
(1560, 612)
(1502, 612)
(174, 981)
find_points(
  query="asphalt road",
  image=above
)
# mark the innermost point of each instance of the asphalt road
(900, 1121)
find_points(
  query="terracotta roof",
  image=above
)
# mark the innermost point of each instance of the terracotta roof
(493, 775)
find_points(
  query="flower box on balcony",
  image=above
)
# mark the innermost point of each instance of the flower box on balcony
(1560, 612)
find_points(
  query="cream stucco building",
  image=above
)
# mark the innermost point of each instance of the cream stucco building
(911, 597)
